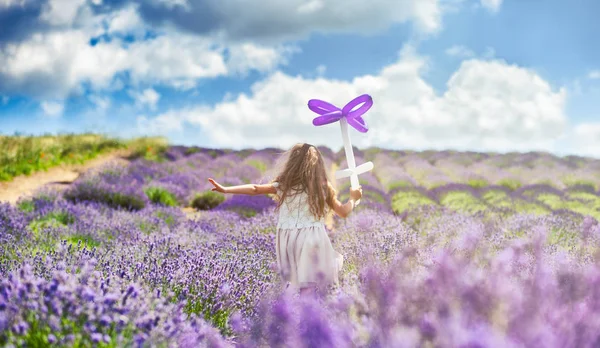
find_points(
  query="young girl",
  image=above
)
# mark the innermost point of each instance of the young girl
(305, 255)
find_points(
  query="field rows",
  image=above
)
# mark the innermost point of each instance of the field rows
(435, 255)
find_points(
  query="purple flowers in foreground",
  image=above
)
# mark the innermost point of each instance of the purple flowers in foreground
(78, 305)
(79, 272)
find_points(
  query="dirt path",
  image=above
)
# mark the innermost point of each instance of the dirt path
(61, 176)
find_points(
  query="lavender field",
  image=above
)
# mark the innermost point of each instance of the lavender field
(446, 249)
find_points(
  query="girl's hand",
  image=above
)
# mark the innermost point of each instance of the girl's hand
(356, 194)
(217, 186)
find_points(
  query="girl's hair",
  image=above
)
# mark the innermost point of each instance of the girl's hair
(304, 171)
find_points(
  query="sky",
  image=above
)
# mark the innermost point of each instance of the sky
(477, 75)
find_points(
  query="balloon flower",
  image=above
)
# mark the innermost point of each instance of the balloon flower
(351, 114)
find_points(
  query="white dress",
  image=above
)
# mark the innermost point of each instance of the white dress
(305, 255)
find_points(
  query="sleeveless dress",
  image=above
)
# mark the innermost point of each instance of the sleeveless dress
(305, 256)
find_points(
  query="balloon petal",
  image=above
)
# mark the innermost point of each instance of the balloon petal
(331, 113)
(364, 99)
(327, 118)
(358, 123)
(321, 107)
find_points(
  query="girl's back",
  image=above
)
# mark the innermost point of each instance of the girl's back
(294, 211)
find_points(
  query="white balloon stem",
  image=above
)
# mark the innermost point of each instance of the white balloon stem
(352, 170)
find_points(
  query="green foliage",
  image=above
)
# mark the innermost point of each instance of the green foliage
(89, 192)
(149, 148)
(501, 200)
(345, 184)
(398, 183)
(522, 206)
(191, 150)
(405, 200)
(207, 200)
(552, 200)
(477, 183)
(53, 219)
(86, 240)
(38, 332)
(367, 195)
(462, 201)
(169, 219)
(162, 196)
(26, 206)
(497, 197)
(243, 211)
(511, 184)
(23, 155)
(261, 166)
(580, 184)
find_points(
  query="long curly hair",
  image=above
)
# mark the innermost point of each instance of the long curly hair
(304, 171)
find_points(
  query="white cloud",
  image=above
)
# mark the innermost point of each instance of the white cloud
(310, 7)
(488, 105)
(4, 100)
(170, 4)
(586, 139)
(125, 20)
(61, 12)
(594, 75)
(102, 103)
(492, 5)
(246, 57)
(13, 3)
(160, 125)
(55, 64)
(272, 20)
(53, 108)
(148, 97)
(460, 51)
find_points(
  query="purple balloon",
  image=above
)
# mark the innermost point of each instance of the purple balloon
(331, 113)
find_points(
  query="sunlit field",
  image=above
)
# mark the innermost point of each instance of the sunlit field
(24, 155)
(446, 249)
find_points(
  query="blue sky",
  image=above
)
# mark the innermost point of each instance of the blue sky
(532, 65)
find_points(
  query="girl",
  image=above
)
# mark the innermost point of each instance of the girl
(305, 256)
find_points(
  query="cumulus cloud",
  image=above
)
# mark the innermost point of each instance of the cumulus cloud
(125, 20)
(102, 103)
(56, 64)
(460, 51)
(594, 75)
(61, 12)
(160, 125)
(276, 20)
(70, 49)
(585, 139)
(10, 3)
(488, 105)
(492, 5)
(52, 108)
(246, 57)
(148, 97)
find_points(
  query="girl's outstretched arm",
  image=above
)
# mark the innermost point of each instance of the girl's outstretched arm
(250, 189)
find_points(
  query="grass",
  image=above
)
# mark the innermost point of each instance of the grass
(462, 201)
(405, 200)
(207, 200)
(24, 155)
(161, 196)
